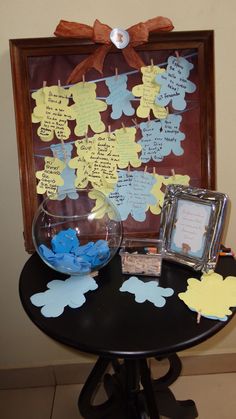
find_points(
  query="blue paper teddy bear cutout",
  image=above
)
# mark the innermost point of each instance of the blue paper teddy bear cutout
(132, 194)
(60, 294)
(68, 256)
(160, 138)
(146, 291)
(174, 83)
(68, 174)
(119, 97)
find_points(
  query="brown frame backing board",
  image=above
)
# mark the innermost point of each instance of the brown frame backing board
(37, 60)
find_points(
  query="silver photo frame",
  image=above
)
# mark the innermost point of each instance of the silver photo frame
(192, 223)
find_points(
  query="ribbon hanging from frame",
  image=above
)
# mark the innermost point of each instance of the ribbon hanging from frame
(100, 34)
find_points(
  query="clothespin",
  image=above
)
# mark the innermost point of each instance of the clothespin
(173, 173)
(177, 55)
(149, 119)
(152, 63)
(154, 170)
(123, 126)
(86, 136)
(83, 79)
(129, 169)
(109, 131)
(135, 123)
(59, 83)
(145, 169)
(116, 73)
(44, 83)
(199, 314)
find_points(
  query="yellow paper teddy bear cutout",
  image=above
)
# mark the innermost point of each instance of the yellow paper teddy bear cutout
(159, 194)
(82, 162)
(148, 92)
(211, 296)
(87, 108)
(127, 148)
(50, 177)
(52, 112)
(97, 161)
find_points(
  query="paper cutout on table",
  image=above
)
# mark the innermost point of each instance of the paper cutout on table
(119, 97)
(63, 152)
(132, 194)
(174, 83)
(148, 92)
(50, 177)
(97, 161)
(127, 148)
(211, 296)
(147, 291)
(160, 138)
(192, 220)
(53, 113)
(60, 294)
(87, 108)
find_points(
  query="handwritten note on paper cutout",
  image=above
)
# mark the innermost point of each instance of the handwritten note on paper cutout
(120, 97)
(132, 194)
(50, 177)
(147, 291)
(160, 138)
(148, 92)
(81, 161)
(192, 220)
(211, 296)
(174, 83)
(60, 294)
(97, 161)
(104, 158)
(127, 148)
(53, 113)
(63, 152)
(87, 108)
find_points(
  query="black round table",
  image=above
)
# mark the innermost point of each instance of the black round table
(124, 334)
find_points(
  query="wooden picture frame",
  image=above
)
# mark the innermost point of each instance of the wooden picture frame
(37, 60)
(192, 224)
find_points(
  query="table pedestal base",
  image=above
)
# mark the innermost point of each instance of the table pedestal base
(132, 393)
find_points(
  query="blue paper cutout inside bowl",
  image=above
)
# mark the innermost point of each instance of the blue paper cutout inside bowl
(68, 256)
(147, 291)
(62, 293)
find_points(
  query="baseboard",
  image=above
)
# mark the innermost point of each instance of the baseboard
(77, 373)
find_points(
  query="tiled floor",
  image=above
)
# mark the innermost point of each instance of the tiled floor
(215, 397)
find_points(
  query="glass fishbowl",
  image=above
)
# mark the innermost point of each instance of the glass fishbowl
(77, 236)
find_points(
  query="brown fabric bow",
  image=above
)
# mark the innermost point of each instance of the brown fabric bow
(100, 34)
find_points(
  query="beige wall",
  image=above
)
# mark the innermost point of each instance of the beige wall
(22, 344)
